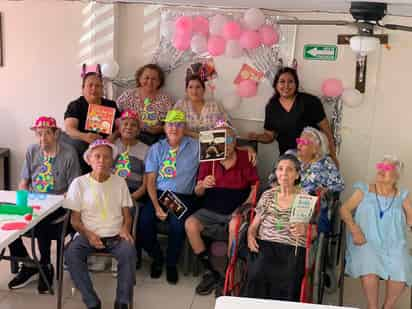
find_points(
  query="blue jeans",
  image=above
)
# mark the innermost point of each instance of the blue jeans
(147, 231)
(76, 260)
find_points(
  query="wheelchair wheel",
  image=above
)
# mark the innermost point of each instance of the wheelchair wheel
(319, 270)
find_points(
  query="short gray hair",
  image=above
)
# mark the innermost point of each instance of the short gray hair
(320, 139)
(395, 161)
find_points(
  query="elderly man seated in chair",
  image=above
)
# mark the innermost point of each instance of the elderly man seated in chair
(224, 185)
(100, 203)
(49, 167)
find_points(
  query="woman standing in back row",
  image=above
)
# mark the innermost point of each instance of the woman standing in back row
(289, 111)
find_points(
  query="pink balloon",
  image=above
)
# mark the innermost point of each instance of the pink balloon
(201, 25)
(268, 35)
(216, 45)
(233, 49)
(246, 88)
(232, 30)
(332, 87)
(184, 24)
(181, 41)
(249, 39)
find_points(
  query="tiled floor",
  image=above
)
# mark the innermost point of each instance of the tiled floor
(149, 293)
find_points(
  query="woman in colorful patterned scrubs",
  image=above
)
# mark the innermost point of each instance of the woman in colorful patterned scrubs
(148, 101)
(171, 164)
(49, 168)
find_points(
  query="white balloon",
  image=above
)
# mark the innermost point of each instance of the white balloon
(198, 44)
(110, 69)
(231, 102)
(233, 49)
(352, 97)
(216, 24)
(167, 29)
(254, 18)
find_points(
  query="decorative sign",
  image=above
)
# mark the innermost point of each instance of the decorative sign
(100, 119)
(320, 52)
(302, 208)
(212, 145)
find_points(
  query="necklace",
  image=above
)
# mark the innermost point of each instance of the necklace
(280, 222)
(383, 210)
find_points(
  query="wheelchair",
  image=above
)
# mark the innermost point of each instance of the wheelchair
(321, 255)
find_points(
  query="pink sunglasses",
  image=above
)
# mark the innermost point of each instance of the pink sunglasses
(385, 167)
(303, 141)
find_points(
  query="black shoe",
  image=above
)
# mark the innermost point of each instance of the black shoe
(220, 287)
(24, 277)
(172, 275)
(120, 306)
(208, 283)
(156, 269)
(42, 286)
(138, 263)
(98, 306)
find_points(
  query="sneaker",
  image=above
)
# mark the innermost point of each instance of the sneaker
(156, 269)
(41, 285)
(208, 283)
(220, 286)
(24, 277)
(120, 306)
(172, 275)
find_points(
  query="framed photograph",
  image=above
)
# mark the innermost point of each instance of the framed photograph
(212, 145)
(1, 42)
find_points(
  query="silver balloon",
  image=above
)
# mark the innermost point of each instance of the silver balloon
(336, 118)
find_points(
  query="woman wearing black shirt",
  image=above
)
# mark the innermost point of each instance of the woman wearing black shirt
(76, 115)
(289, 111)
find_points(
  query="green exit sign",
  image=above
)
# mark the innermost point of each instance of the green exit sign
(320, 52)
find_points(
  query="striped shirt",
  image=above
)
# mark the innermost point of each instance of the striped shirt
(275, 223)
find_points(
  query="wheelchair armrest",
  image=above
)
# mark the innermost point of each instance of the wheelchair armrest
(243, 210)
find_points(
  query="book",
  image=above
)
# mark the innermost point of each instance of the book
(302, 208)
(247, 72)
(212, 145)
(100, 119)
(170, 203)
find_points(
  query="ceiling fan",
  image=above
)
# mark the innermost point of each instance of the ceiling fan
(367, 18)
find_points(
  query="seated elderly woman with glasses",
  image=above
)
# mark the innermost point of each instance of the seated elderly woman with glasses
(223, 186)
(376, 216)
(318, 171)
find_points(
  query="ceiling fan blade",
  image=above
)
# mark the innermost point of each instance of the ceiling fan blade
(397, 27)
(314, 22)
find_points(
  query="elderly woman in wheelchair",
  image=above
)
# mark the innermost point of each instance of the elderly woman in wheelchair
(223, 186)
(377, 246)
(276, 262)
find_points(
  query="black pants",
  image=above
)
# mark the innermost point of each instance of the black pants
(45, 232)
(275, 272)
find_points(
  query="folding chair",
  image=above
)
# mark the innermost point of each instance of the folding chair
(61, 260)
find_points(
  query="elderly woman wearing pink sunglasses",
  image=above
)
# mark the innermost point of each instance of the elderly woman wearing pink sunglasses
(318, 171)
(377, 246)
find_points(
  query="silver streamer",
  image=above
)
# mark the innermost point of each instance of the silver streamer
(336, 103)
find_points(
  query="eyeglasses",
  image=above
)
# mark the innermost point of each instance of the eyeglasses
(303, 141)
(177, 125)
(386, 167)
(229, 139)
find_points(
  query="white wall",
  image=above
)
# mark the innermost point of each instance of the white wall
(41, 72)
(378, 127)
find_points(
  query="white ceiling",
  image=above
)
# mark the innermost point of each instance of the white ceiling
(395, 7)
